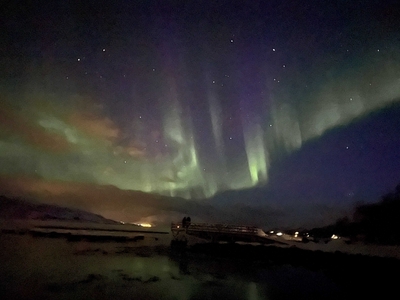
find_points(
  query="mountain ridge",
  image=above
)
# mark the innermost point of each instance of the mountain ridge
(17, 208)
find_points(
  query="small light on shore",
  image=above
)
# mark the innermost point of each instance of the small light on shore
(145, 225)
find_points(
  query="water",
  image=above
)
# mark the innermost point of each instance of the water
(44, 268)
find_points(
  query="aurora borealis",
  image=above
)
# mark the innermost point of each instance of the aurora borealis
(187, 98)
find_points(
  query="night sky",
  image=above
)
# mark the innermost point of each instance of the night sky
(279, 104)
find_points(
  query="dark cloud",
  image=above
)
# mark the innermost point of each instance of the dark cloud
(14, 124)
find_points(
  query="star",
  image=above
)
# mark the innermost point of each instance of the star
(194, 123)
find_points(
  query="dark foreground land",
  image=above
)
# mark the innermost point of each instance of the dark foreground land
(146, 266)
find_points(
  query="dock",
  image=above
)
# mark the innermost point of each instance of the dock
(220, 232)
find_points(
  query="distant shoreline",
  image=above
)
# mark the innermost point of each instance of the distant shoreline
(99, 229)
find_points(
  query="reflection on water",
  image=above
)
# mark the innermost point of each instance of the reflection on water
(212, 279)
(55, 268)
(43, 268)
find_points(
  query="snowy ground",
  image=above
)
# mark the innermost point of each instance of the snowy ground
(161, 235)
(342, 246)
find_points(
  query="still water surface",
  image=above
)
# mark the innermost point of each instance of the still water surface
(43, 268)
